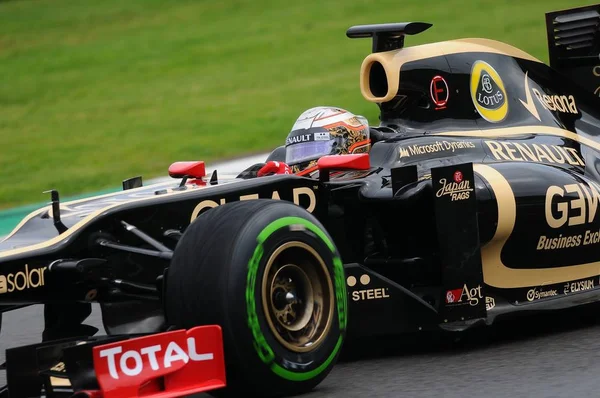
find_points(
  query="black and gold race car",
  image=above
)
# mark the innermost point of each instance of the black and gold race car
(479, 198)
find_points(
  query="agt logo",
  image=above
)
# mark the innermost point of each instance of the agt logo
(464, 295)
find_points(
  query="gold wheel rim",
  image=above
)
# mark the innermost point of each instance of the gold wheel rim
(297, 296)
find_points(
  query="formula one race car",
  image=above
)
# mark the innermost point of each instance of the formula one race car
(479, 198)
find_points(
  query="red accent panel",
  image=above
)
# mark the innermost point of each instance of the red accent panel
(87, 394)
(273, 167)
(453, 296)
(358, 161)
(191, 169)
(163, 365)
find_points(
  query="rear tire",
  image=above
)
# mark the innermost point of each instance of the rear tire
(268, 273)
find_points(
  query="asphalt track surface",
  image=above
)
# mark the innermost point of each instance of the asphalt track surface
(550, 355)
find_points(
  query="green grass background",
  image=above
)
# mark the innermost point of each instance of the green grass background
(95, 91)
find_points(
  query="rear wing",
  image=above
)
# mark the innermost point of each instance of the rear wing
(574, 45)
(171, 364)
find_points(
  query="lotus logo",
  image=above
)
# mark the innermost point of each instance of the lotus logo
(486, 83)
(488, 92)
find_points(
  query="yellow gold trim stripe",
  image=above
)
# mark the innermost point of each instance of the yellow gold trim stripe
(89, 218)
(523, 130)
(392, 61)
(64, 205)
(24, 220)
(495, 273)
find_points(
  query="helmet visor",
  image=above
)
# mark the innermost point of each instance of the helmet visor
(304, 151)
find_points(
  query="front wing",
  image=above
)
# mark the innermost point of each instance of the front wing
(170, 364)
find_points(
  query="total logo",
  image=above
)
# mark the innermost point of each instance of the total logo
(22, 280)
(464, 295)
(130, 363)
(179, 355)
(366, 294)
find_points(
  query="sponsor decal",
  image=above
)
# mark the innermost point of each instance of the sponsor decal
(298, 139)
(322, 136)
(22, 280)
(528, 103)
(453, 296)
(459, 189)
(541, 153)
(561, 211)
(556, 103)
(560, 103)
(435, 147)
(596, 72)
(192, 360)
(131, 363)
(538, 293)
(370, 294)
(366, 294)
(560, 242)
(589, 237)
(438, 89)
(488, 92)
(297, 194)
(571, 211)
(457, 176)
(578, 286)
(464, 295)
(490, 303)
(59, 381)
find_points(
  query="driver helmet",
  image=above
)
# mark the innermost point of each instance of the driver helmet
(321, 131)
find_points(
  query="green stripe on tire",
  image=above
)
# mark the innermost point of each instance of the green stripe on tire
(261, 346)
